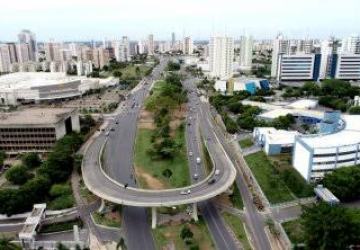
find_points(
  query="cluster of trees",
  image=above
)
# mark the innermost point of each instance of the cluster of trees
(206, 84)
(344, 183)
(332, 93)
(194, 71)
(20, 174)
(173, 66)
(187, 236)
(56, 169)
(170, 96)
(246, 114)
(330, 227)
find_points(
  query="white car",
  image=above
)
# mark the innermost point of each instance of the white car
(198, 160)
(183, 192)
(190, 153)
(217, 172)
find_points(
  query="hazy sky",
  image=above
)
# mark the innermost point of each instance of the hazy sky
(96, 19)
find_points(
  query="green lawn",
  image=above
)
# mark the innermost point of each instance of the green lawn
(107, 220)
(170, 235)
(237, 226)
(246, 143)
(236, 199)
(294, 231)
(269, 180)
(294, 181)
(178, 165)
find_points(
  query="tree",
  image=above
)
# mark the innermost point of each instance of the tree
(186, 233)
(31, 160)
(344, 183)
(6, 244)
(121, 244)
(60, 190)
(167, 173)
(18, 174)
(117, 73)
(329, 227)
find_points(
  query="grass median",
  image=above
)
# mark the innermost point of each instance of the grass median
(237, 226)
(150, 172)
(277, 178)
(172, 236)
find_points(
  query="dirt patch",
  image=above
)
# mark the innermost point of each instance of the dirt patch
(151, 182)
(223, 199)
(146, 120)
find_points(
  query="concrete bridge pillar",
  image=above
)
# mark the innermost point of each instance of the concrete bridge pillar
(194, 212)
(102, 206)
(153, 217)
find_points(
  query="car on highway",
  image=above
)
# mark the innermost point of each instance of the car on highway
(196, 176)
(112, 129)
(190, 153)
(198, 160)
(217, 171)
(107, 133)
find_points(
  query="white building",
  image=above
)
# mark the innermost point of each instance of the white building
(274, 141)
(221, 54)
(280, 46)
(347, 67)
(351, 45)
(246, 48)
(187, 46)
(316, 155)
(220, 85)
(26, 87)
(5, 58)
(122, 50)
(150, 45)
(27, 37)
(295, 67)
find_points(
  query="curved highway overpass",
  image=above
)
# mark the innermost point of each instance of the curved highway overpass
(98, 178)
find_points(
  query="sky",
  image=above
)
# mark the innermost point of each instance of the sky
(64, 20)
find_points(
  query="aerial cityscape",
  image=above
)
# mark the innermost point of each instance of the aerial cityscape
(193, 128)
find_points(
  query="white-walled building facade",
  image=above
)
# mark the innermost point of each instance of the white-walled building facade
(221, 55)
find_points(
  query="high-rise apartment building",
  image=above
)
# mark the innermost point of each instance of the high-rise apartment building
(122, 50)
(246, 48)
(351, 45)
(150, 45)
(52, 51)
(221, 55)
(5, 58)
(187, 46)
(173, 40)
(22, 50)
(280, 46)
(27, 37)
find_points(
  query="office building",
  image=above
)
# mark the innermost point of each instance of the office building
(36, 129)
(221, 55)
(27, 37)
(304, 62)
(298, 67)
(246, 49)
(316, 155)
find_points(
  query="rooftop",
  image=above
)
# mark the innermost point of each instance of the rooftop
(34, 116)
(348, 136)
(26, 80)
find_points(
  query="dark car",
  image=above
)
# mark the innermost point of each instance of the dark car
(211, 181)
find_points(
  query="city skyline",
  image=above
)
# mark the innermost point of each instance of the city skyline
(262, 19)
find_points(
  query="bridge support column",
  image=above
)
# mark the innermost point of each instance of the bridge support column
(194, 212)
(153, 217)
(102, 206)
